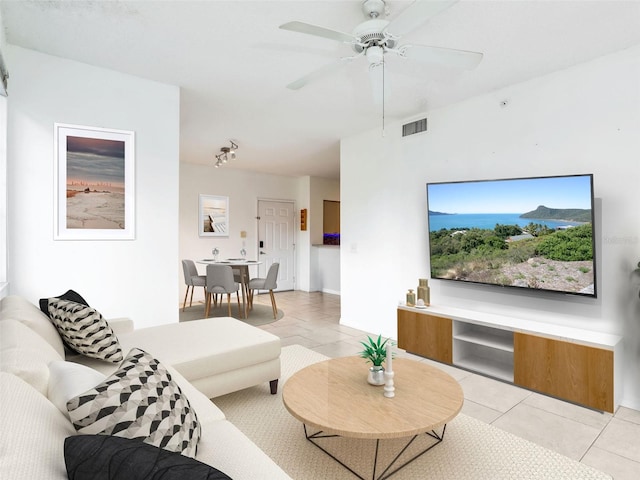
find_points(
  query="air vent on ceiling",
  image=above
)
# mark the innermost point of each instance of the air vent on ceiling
(414, 127)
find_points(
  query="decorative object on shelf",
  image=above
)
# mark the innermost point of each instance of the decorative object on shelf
(303, 219)
(243, 253)
(411, 298)
(389, 388)
(375, 351)
(424, 292)
(215, 252)
(213, 216)
(226, 154)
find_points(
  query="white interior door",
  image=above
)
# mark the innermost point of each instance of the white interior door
(276, 240)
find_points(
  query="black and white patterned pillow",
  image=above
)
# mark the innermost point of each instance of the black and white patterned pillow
(83, 330)
(68, 295)
(140, 401)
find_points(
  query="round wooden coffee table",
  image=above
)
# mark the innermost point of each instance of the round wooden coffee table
(334, 397)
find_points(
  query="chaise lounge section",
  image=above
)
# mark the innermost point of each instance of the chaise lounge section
(216, 355)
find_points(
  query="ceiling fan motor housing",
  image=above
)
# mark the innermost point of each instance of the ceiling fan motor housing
(370, 34)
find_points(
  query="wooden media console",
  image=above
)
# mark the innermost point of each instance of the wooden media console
(579, 366)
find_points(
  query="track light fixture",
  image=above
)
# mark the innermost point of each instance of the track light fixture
(226, 154)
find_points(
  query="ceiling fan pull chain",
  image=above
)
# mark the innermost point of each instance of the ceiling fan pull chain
(383, 88)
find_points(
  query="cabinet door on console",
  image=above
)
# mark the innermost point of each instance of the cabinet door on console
(425, 335)
(573, 372)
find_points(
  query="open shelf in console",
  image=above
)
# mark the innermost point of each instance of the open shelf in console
(492, 367)
(480, 335)
(483, 349)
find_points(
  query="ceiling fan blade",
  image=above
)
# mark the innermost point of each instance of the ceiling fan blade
(415, 15)
(444, 56)
(316, 74)
(317, 31)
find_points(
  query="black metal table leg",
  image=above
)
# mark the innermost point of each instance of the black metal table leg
(386, 473)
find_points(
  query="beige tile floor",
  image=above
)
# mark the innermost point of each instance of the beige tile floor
(610, 443)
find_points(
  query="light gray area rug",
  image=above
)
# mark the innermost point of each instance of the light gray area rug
(259, 315)
(471, 449)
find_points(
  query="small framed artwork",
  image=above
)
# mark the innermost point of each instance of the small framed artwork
(94, 183)
(213, 216)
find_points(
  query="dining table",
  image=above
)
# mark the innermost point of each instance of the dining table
(242, 265)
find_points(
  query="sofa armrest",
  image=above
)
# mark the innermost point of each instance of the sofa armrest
(121, 325)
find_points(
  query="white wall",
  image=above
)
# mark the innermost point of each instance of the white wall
(325, 269)
(3, 194)
(3, 176)
(582, 120)
(243, 189)
(133, 278)
(303, 247)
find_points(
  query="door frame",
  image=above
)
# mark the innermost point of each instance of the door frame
(295, 232)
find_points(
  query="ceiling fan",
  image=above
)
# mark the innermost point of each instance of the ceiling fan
(376, 37)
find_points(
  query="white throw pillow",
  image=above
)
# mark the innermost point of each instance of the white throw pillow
(25, 354)
(33, 433)
(68, 380)
(18, 308)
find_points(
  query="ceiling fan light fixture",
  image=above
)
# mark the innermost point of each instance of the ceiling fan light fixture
(375, 55)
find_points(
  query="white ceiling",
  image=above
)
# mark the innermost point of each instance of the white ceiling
(232, 63)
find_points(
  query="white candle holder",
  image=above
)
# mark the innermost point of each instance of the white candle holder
(389, 389)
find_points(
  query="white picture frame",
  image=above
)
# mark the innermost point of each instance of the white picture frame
(94, 175)
(213, 216)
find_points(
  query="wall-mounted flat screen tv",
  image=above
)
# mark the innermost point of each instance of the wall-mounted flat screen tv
(528, 233)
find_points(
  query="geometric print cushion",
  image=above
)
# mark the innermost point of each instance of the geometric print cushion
(68, 295)
(139, 401)
(83, 329)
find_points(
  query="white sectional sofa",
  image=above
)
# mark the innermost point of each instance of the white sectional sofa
(206, 358)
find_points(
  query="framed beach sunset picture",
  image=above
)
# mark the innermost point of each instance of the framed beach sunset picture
(94, 183)
(213, 216)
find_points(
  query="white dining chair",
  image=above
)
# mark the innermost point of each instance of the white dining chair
(192, 279)
(220, 281)
(268, 283)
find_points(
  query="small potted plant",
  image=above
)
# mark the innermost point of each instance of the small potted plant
(375, 351)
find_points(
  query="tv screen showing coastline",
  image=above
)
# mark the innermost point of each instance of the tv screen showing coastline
(533, 233)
